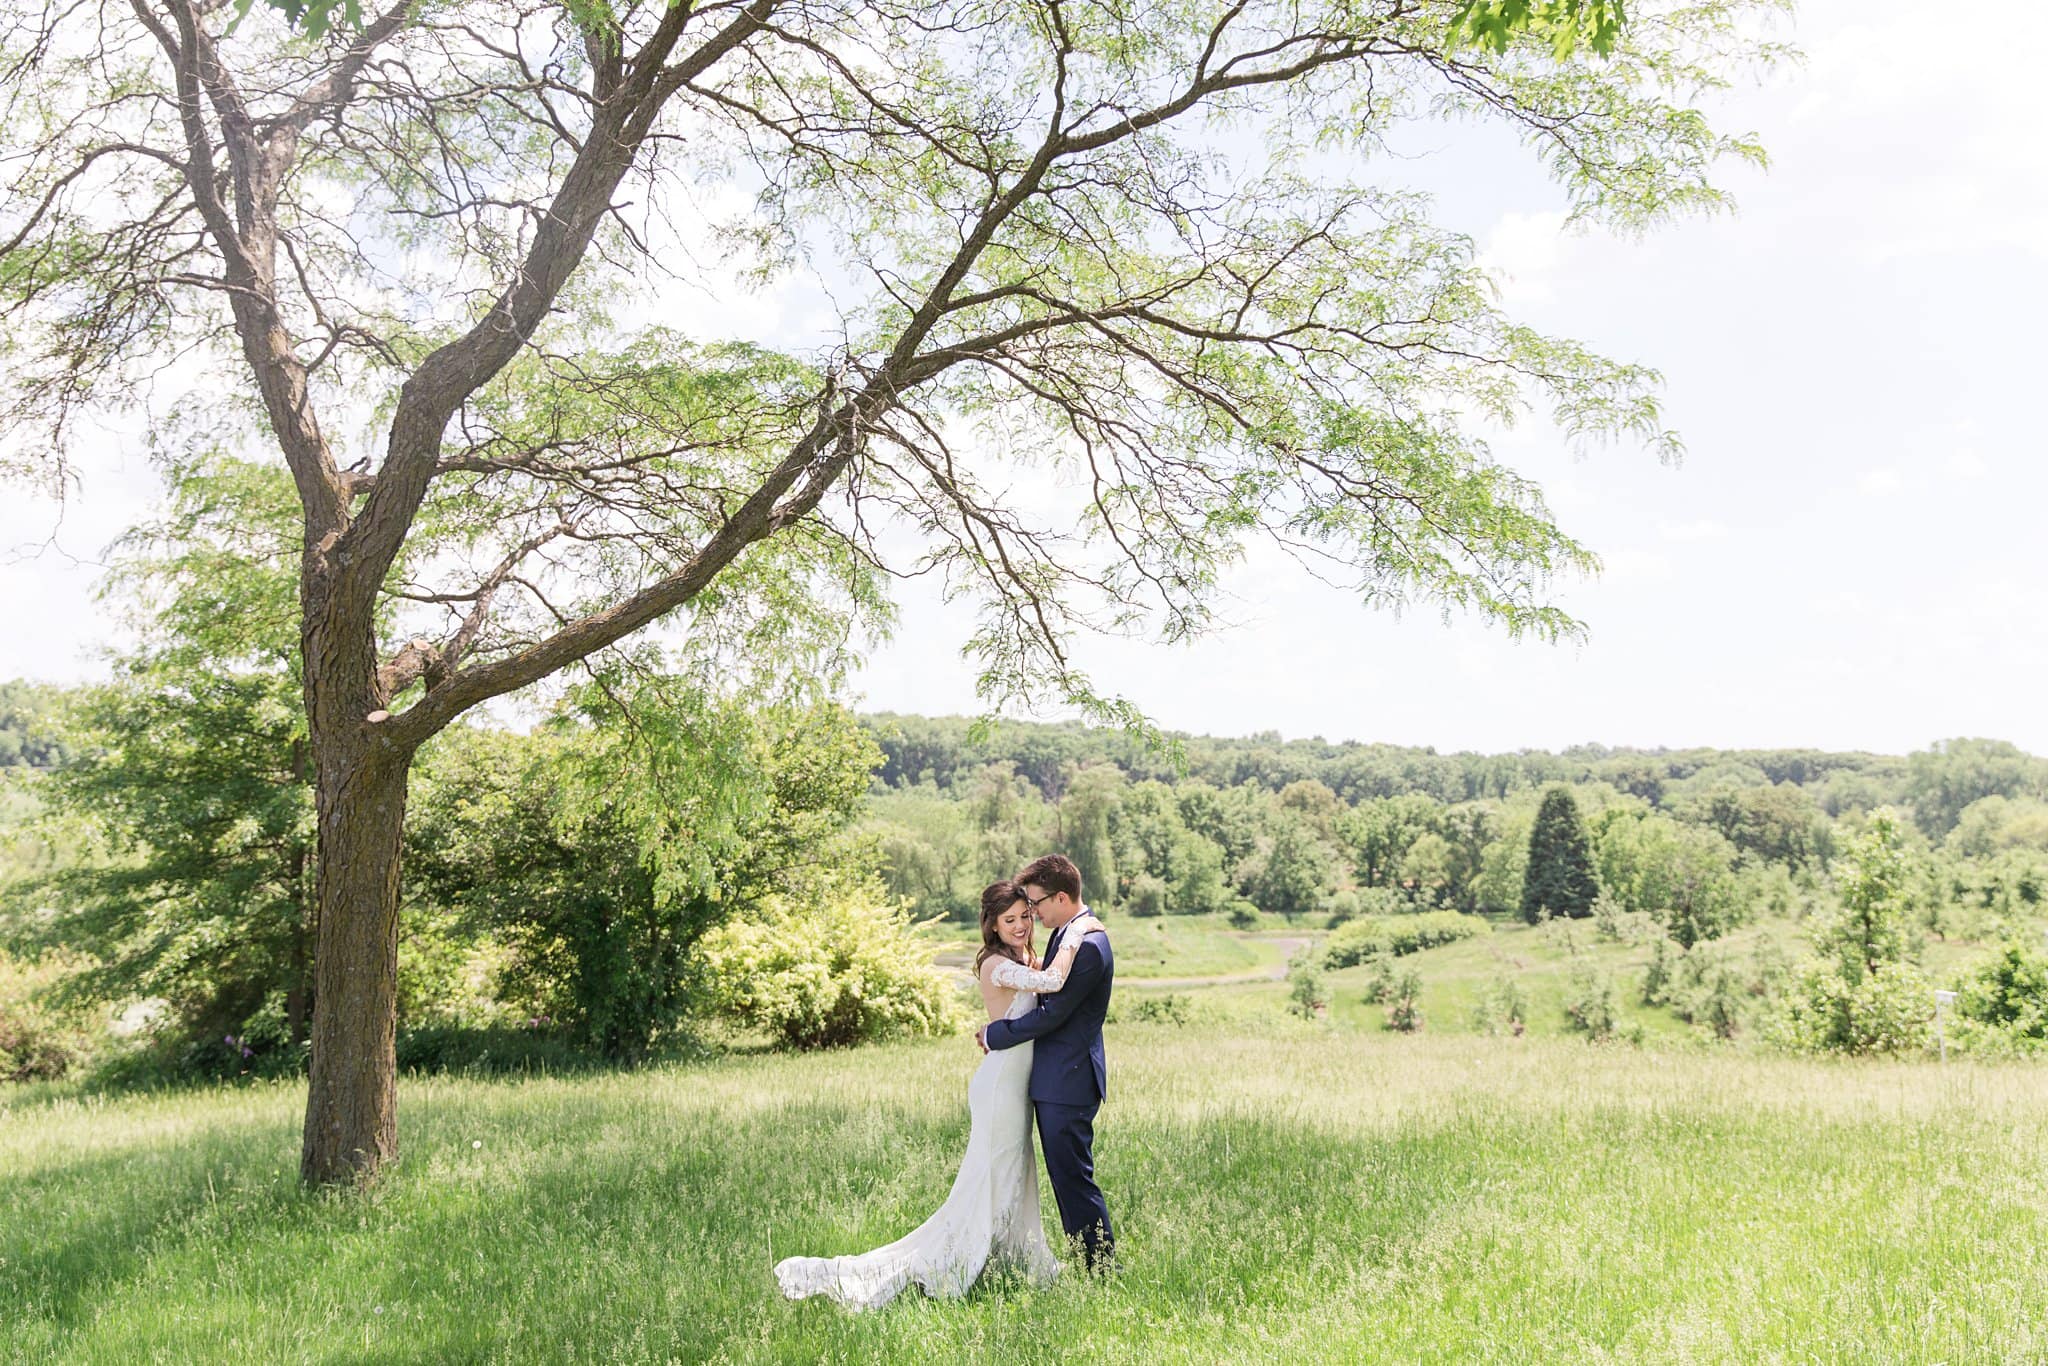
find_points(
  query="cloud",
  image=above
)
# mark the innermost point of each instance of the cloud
(1700, 529)
(1964, 464)
(1879, 483)
(1934, 143)
(1847, 602)
(1635, 566)
(1525, 253)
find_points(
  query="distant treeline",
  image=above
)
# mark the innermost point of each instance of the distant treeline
(938, 750)
(1700, 840)
(29, 735)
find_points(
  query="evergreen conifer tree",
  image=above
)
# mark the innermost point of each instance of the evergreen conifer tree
(1560, 873)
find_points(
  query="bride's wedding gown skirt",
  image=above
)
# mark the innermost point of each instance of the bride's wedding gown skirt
(991, 1212)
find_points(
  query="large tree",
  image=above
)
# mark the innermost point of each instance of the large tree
(1147, 243)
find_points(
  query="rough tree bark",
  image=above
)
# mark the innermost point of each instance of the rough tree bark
(351, 1102)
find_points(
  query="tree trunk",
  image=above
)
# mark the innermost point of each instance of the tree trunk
(351, 1101)
(300, 993)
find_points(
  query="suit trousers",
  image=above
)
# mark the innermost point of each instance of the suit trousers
(1067, 1133)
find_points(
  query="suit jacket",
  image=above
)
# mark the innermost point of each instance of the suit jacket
(1067, 1067)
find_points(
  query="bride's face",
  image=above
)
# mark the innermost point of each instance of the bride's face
(1014, 925)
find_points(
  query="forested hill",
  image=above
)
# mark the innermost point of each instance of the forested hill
(938, 750)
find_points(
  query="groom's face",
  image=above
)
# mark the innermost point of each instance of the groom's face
(1053, 909)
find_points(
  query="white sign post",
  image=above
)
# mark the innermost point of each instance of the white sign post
(1941, 1002)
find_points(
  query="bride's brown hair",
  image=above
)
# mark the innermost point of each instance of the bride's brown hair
(996, 898)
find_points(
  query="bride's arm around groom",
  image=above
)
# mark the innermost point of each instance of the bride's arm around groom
(1085, 979)
(1069, 1076)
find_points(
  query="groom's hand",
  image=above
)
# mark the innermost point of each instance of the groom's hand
(981, 1037)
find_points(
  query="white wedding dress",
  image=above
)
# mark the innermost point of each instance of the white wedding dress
(992, 1211)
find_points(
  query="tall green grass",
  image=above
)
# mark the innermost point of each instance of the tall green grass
(1283, 1193)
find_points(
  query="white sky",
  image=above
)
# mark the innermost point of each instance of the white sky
(1849, 557)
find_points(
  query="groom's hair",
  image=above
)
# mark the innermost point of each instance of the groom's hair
(1053, 872)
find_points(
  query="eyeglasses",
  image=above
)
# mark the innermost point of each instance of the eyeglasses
(1032, 903)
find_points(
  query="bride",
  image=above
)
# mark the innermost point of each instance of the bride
(993, 1208)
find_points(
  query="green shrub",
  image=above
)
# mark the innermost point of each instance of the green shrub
(1616, 925)
(2002, 1007)
(531, 1047)
(1661, 977)
(842, 969)
(1711, 989)
(1165, 1007)
(1354, 943)
(445, 975)
(1503, 1007)
(1147, 896)
(1891, 1010)
(1379, 984)
(1770, 969)
(38, 1039)
(1593, 1007)
(1404, 1010)
(1398, 935)
(1359, 903)
(1305, 995)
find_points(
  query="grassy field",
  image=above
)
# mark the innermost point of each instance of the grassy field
(1187, 946)
(1541, 960)
(1286, 1191)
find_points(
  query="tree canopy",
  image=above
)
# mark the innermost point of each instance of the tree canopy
(1155, 250)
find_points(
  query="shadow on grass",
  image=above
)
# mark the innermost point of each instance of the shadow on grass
(437, 1050)
(77, 1228)
(631, 1236)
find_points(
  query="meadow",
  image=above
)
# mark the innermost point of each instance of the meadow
(1286, 1190)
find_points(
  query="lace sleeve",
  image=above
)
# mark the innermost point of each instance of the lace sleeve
(1020, 978)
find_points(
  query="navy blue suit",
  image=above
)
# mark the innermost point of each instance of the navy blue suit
(1068, 1081)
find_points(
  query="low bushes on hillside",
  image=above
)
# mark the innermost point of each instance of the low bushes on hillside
(841, 969)
(1404, 1003)
(1166, 1007)
(1306, 995)
(2002, 1008)
(1396, 935)
(1502, 1007)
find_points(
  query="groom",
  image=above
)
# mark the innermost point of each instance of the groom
(1068, 1076)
